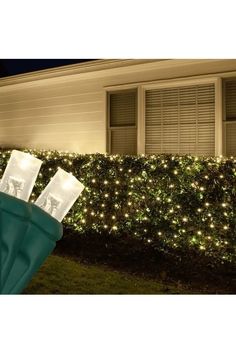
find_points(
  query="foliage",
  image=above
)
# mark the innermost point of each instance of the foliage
(172, 204)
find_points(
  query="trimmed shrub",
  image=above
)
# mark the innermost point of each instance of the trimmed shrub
(177, 205)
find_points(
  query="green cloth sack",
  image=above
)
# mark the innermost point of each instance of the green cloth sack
(29, 245)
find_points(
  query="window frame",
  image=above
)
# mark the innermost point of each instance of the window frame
(109, 128)
(224, 120)
(170, 83)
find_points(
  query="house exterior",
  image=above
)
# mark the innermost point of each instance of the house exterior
(136, 106)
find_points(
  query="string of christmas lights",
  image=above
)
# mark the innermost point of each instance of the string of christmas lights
(170, 202)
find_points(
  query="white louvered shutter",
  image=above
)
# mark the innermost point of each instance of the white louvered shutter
(180, 120)
(230, 116)
(123, 116)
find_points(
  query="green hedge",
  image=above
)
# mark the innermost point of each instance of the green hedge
(169, 203)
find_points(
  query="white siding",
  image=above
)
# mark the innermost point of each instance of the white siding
(61, 116)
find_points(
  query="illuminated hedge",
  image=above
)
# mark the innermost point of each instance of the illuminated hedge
(171, 203)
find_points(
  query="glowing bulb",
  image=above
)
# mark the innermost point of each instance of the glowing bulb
(60, 194)
(20, 175)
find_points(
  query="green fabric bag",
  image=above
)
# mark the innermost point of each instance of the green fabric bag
(28, 236)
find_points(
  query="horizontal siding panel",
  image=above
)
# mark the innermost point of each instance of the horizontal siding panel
(63, 109)
(52, 128)
(89, 118)
(88, 136)
(47, 89)
(51, 101)
(82, 142)
(68, 143)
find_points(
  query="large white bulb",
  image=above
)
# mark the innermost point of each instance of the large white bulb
(20, 175)
(60, 194)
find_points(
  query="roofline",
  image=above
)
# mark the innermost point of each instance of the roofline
(74, 69)
(102, 68)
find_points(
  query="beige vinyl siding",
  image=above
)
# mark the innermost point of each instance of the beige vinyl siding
(181, 120)
(69, 111)
(62, 116)
(230, 117)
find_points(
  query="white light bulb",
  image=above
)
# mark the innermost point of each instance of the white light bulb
(20, 175)
(60, 194)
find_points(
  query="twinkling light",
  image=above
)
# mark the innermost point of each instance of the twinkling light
(142, 196)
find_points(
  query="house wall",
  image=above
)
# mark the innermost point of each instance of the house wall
(65, 109)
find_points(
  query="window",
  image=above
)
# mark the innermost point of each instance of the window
(230, 117)
(180, 120)
(122, 122)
